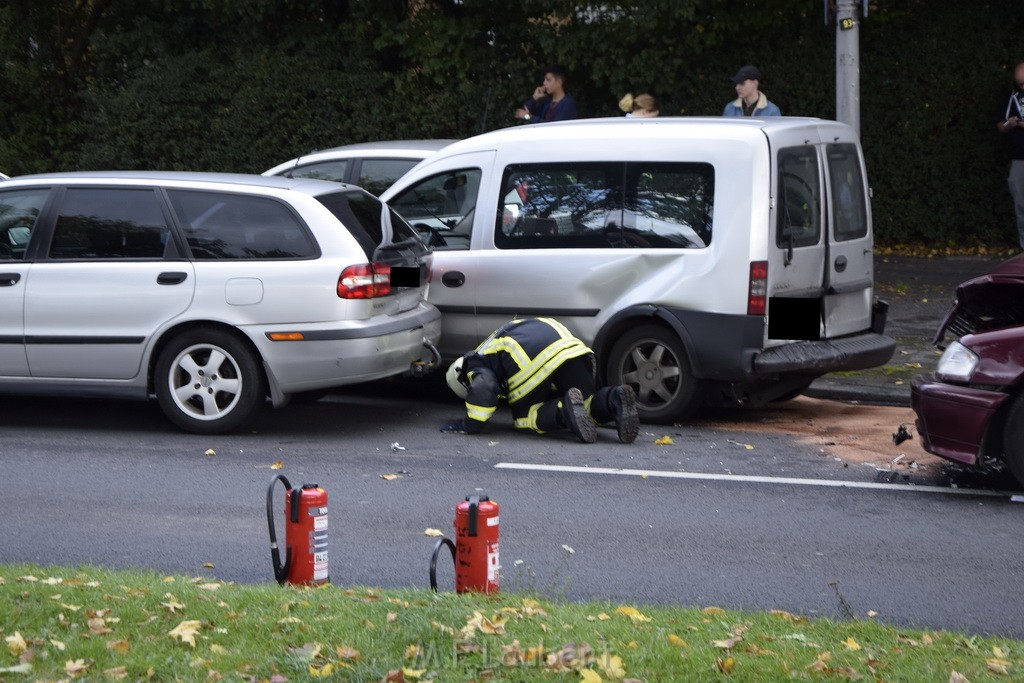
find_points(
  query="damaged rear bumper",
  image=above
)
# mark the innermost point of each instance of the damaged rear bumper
(953, 420)
(828, 355)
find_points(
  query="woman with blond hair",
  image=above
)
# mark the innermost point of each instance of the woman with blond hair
(642, 106)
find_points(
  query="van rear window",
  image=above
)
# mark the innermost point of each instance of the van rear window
(606, 205)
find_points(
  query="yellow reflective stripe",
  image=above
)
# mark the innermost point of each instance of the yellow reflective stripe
(543, 365)
(530, 421)
(561, 329)
(479, 413)
(509, 346)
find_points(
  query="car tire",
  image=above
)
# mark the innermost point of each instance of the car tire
(209, 381)
(1013, 439)
(653, 360)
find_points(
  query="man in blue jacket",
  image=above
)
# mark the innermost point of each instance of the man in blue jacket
(750, 101)
(550, 101)
(547, 376)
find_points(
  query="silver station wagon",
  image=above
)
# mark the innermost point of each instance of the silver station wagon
(213, 292)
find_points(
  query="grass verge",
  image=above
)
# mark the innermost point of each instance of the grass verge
(95, 624)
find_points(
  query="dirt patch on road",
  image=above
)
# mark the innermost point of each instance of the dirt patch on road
(853, 432)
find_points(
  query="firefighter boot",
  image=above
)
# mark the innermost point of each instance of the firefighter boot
(574, 415)
(623, 404)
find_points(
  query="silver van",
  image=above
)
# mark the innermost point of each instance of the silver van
(704, 260)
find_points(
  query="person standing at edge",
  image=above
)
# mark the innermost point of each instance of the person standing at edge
(550, 101)
(750, 101)
(547, 377)
(1011, 124)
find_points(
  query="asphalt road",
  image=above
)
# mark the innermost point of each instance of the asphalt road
(104, 482)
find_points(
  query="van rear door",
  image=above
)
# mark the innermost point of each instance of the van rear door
(849, 270)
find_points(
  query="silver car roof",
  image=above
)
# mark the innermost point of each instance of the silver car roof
(304, 185)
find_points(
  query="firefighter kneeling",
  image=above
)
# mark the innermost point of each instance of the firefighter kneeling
(547, 376)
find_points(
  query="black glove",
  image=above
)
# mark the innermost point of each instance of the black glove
(457, 427)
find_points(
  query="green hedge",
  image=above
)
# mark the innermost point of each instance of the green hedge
(240, 85)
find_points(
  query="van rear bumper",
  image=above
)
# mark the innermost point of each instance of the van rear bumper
(828, 355)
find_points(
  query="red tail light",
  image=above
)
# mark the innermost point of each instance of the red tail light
(365, 281)
(757, 294)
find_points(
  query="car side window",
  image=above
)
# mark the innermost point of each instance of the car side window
(849, 201)
(109, 223)
(377, 175)
(19, 211)
(799, 214)
(606, 205)
(224, 226)
(441, 208)
(336, 170)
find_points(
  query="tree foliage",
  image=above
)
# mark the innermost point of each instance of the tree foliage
(240, 85)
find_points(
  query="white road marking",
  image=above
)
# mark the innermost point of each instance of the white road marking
(793, 481)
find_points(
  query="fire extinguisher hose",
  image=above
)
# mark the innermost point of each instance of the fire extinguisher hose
(280, 571)
(433, 560)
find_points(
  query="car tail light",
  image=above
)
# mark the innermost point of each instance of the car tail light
(757, 294)
(365, 281)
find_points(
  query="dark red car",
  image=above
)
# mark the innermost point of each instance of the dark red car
(973, 405)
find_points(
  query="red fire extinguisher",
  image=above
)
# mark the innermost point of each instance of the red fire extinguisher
(305, 512)
(475, 551)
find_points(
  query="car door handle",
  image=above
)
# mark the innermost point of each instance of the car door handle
(171, 278)
(840, 264)
(453, 278)
(9, 279)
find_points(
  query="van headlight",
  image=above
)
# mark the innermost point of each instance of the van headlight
(957, 363)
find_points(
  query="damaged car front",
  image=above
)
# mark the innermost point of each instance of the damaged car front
(972, 406)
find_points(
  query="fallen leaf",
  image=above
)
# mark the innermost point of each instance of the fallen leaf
(74, 667)
(738, 443)
(186, 631)
(590, 676)
(118, 673)
(727, 643)
(321, 672)
(16, 644)
(346, 652)
(394, 676)
(998, 652)
(278, 464)
(208, 565)
(713, 611)
(209, 586)
(726, 665)
(611, 665)
(998, 666)
(413, 674)
(412, 651)
(633, 613)
(664, 441)
(218, 649)
(851, 644)
(872, 614)
(58, 644)
(98, 626)
(289, 620)
(787, 615)
(436, 533)
(957, 677)
(172, 605)
(675, 640)
(389, 477)
(209, 452)
(23, 668)
(119, 646)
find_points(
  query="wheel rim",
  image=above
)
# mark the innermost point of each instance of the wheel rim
(654, 372)
(205, 382)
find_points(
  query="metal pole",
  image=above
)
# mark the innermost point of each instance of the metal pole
(848, 64)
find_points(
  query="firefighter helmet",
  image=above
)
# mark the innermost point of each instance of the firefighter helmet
(454, 378)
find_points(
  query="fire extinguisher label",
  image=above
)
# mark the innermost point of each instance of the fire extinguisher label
(492, 564)
(320, 566)
(320, 523)
(492, 521)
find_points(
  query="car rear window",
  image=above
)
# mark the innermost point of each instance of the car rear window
(606, 205)
(225, 226)
(361, 214)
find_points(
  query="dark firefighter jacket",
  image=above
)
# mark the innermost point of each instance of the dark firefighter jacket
(514, 361)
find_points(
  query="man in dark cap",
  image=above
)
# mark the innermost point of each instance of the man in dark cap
(750, 101)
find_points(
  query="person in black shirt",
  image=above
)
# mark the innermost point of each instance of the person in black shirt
(1011, 125)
